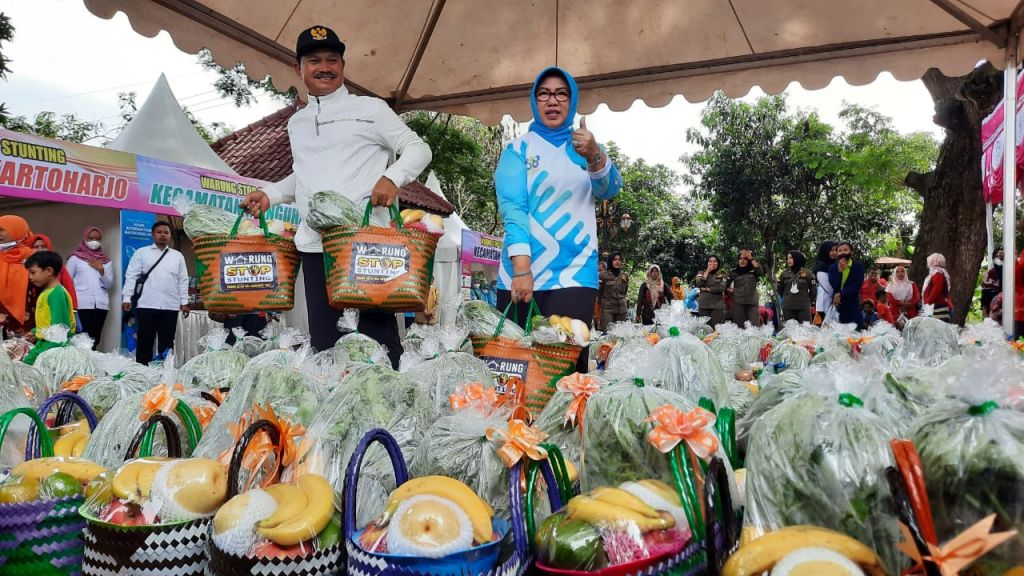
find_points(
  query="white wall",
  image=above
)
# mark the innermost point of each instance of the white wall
(64, 224)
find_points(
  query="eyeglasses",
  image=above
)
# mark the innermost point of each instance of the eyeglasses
(560, 95)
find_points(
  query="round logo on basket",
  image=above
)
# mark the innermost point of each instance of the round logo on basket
(374, 263)
(248, 271)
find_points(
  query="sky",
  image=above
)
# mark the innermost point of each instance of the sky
(66, 60)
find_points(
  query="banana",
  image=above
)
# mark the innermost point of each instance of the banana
(601, 513)
(64, 446)
(479, 512)
(198, 485)
(410, 216)
(624, 499)
(291, 502)
(79, 469)
(79, 448)
(663, 490)
(760, 555)
(312, 520)
(135, 479)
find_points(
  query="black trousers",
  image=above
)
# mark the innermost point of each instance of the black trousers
(252, 323)
(576, 303)
(323, 320)
(154, 327)
(92, 324)
(801, 315)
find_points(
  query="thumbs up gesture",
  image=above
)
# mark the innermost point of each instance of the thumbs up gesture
(585, 145)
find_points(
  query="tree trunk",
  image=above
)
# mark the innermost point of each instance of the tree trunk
(953, 218)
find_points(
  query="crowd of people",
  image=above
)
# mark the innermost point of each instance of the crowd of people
(836, 288)
(42, 289)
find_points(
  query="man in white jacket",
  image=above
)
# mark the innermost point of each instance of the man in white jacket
(345, 143)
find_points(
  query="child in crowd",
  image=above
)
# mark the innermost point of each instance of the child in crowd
(53, 306)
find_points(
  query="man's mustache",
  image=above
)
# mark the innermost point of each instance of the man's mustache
(324, 75)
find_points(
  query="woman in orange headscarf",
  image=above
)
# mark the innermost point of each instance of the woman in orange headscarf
(15, 239)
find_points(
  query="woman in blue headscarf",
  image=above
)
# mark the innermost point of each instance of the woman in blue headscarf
(547, 182)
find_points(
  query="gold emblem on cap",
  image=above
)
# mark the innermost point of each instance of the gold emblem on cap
(318, 33)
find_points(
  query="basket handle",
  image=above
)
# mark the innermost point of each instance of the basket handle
(553, 484)
(533, 310)
(396, 217)
(725, 429)
(210, 397)
(355, 464)
(685, 479)
(243, 444)
(192, 426)
(61, 399)
(142, 444)
(719, 506)
(238, 222)
(45, 442)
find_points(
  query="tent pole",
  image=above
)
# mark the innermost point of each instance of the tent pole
(1009, 180)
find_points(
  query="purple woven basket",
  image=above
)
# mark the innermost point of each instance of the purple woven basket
(513, 557)
(43, 537)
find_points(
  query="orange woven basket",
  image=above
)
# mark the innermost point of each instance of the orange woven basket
(372, 267)
(539, 367)
(241, 274)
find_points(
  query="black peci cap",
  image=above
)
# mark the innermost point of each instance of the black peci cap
(317, 37)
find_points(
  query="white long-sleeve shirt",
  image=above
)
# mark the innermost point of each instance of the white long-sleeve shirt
(825, 293)
(91, 287)
(345, 143)
(167, 285)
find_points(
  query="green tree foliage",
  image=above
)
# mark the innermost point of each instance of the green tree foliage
(236, 84)
(465, 155)
(668, 229)
(68, 127)
(6, 35)
(776, 179)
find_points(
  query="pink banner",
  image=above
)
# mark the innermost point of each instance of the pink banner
(38, 168)
(993, 145)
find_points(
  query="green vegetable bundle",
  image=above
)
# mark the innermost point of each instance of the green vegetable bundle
(632, 348)
(927, 341)
(568, 436)
(370, 396)
(217, 367)
(63, 363)
(819, 459)
(33, 382)
(683, 364)
(972, 451)
(615, 447)
(328, 209)
(445, 368)
(274, 379)
(793, 356)
(361, 349)
(480, 319)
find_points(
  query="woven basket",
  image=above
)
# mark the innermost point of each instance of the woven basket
(221, 563)
(65, 403)
(538, 366)
(371, 267)
(241, 274)
(715, 531)
(511, 554)
(174, 549)
(43, 537)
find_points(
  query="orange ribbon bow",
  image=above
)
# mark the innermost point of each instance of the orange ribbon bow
(260, 446)
(520, 439)
(1018, 345)
(76, 383)
(158, 399)
(959, 552)
(674, 426)
(582, 388)
(474, 395)
(856, 343)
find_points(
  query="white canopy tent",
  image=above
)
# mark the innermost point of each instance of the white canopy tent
(479, 57)
(161, 129)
